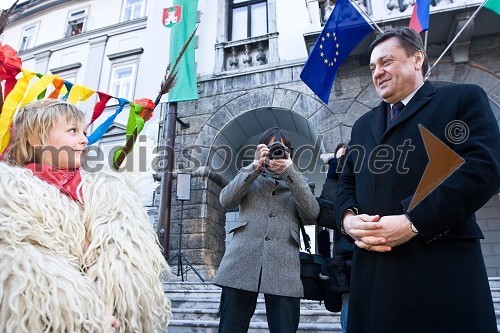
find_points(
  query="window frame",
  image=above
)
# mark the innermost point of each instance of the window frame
(69, 26)
(134, 63)
(31, 36)
(248, 4)
(142, 10)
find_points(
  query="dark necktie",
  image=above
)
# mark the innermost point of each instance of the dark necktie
(395, 110)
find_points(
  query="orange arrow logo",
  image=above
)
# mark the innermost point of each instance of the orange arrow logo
(442, 163)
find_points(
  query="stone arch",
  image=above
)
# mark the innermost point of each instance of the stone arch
(296, 105)
(471, 73)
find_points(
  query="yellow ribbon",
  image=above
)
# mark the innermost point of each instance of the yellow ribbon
(37, 88)
(10, 105)
(79, 93)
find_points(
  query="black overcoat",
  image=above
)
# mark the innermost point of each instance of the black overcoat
(436, 282)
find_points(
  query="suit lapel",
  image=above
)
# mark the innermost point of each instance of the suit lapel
(379, 118)
(422, 96)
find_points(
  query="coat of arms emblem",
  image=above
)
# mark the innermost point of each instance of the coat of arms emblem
(172, 15)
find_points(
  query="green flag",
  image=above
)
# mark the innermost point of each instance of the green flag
(493, 5)
(181, 19)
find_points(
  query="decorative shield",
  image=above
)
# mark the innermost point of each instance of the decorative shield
(172, 15)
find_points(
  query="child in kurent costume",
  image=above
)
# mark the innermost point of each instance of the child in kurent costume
(77, 253)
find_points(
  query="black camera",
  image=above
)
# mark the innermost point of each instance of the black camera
(277, 151)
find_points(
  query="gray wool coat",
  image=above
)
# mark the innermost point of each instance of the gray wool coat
(266, 238)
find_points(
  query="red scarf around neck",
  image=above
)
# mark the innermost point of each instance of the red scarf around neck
(66, 181)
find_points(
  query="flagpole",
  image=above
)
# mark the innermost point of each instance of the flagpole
(454, 39)
(425, 40)
(366, 15)
(167, 172)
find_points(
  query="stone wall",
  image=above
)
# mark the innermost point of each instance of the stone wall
(202, 224)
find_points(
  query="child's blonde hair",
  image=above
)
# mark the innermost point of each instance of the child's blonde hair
(33, 123)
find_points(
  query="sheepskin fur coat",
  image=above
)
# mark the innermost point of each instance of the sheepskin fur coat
(64, 265)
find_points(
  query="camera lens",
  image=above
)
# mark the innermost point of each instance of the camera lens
(278, 153)
(277, 150)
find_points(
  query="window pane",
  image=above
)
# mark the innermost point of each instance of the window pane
(239, 1)
(123, 73)
(122, 81)
(239, 27)
(132, 9)
(125, 89)
(259, 19)
(24, 43)
(28, 38)
(115, 89)
(127, 14)
(77, 15)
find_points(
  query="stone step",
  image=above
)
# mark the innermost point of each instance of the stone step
(195, 293)
(213, 303)
(306, 316)
(494, 282)
(195, 305)
(496, 303)
(211, 326)
(213, 295)
(187, 285)
(495, 292)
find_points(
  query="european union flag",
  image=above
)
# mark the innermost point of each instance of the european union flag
(343, 31)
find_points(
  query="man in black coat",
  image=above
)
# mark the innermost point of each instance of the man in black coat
(342, 247)
(417, 263)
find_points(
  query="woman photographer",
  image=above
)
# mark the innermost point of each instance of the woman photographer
(263, 255)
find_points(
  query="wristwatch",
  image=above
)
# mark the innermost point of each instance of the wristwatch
(412, 228)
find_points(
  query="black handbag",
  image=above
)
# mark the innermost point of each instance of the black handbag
(310, 269)
(338, 270)
(316, 284)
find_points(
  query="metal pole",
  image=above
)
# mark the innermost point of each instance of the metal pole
(367, 16)
(425, 40)
(454, 39)
(166, 179)
(179, 252)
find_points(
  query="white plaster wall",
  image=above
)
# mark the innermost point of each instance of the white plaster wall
(207, 33)
(294, 18)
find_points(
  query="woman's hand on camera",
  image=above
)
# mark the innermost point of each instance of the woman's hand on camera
(260, 157)
(279, 165)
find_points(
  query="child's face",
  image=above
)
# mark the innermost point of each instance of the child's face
(64, 147)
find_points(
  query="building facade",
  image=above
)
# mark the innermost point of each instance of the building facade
(249, 55)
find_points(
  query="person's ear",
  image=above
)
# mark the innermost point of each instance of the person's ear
(419, 60)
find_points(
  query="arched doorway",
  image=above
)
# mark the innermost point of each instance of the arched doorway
(234, 148)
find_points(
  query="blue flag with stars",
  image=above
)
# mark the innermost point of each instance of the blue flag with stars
(343, 31)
